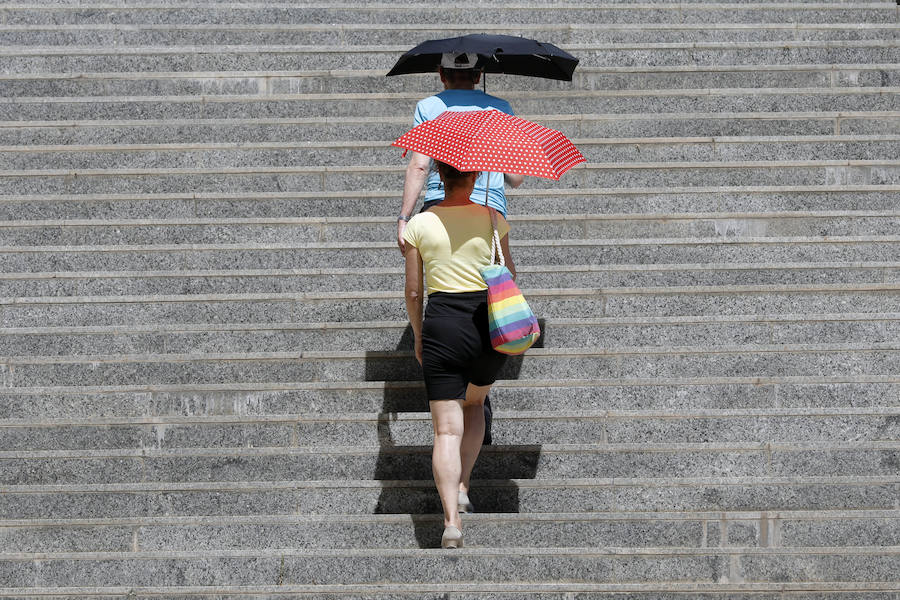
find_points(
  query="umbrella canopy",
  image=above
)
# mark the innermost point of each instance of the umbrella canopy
(491, 140)
(497, 54)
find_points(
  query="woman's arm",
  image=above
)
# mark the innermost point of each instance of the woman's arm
(413, 292)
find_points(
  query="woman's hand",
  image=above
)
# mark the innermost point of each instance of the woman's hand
(419, 349)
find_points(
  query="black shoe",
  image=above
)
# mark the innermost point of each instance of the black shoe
(488, 418)
(464, 504)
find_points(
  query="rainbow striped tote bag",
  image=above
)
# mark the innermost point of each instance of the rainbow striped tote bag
(513, 326)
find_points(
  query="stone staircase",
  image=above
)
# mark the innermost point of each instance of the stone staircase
(206, 379)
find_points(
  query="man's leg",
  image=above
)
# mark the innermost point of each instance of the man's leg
(488, 418)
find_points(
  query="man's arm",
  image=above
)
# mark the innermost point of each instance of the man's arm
(513, 180)
(416, 175)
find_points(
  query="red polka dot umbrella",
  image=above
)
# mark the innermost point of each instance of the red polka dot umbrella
(491, 140)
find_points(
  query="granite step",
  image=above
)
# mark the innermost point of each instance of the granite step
(819, 359)
(257, 57)
(356, 34)
(509, 496)
(586, 77)
(88, 400)
(333, 81)
(523, 201)
(404, 14)
(857, 565)
(277, 255)
(551, 530)
(325, 129)
(402, 104)
(470, 591)
(94, 232)
(621, 3)
(316, 307)
(546, 461)
(621, 176)
(256, 281)
(612, 333)
(415, 429)
(596, 150)
(196, 4)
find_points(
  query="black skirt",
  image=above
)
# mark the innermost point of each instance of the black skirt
(456, 345)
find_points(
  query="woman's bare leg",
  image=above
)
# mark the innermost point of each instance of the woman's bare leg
(447, 421)
(473, 432)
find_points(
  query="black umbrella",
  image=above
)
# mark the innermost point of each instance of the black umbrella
(497, 54)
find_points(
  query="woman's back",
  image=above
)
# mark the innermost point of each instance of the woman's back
(455, 244)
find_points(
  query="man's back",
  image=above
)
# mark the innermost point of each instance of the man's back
(462, 100)
(458, 100)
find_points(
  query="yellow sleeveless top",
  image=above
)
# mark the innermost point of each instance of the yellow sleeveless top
(455, 244)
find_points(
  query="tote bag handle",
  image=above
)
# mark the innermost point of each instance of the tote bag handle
(496, 249)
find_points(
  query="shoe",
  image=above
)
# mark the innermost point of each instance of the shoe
(488, 422)
(452, 538)
(465, 505)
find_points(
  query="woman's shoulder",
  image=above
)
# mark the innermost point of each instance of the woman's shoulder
(423, 222)
(423, 218)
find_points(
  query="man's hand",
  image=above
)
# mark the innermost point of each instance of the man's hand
(401, 225)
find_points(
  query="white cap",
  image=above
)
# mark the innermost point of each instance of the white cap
(462, 60)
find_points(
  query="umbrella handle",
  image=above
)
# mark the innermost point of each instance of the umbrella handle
(496, 250)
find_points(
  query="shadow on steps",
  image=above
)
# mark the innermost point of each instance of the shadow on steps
(396, 464)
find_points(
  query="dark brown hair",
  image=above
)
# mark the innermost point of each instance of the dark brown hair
(450, 175)
(448, 171)
(461, 76)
